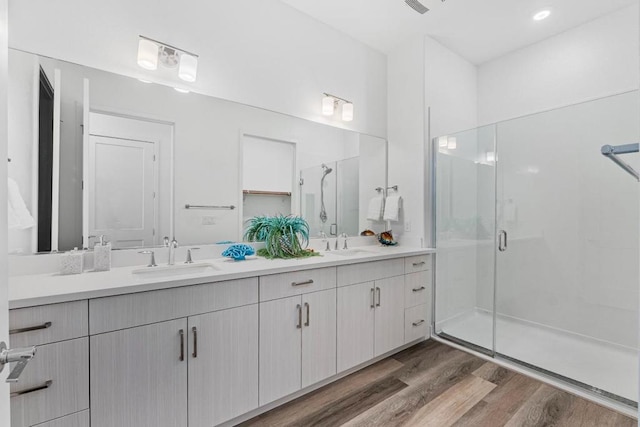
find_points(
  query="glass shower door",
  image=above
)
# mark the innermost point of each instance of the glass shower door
(465, 237)
(567, 278)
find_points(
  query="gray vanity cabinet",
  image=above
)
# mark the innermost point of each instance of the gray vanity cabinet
(139, 376)
(223, 365)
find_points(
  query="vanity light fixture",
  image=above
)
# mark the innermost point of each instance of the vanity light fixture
(331, 102)
(542, 15)
(452, 143)
(443, 141)
(151, 52)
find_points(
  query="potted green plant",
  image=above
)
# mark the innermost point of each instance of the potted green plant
(284, 236)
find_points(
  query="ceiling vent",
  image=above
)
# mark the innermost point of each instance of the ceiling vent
(417, 6)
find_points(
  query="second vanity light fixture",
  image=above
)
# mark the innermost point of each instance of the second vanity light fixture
(151, 52)
(331, 102)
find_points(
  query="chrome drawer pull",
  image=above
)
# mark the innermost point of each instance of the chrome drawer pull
(299, 308)
(195, 342)
(373, 298)
(45, 325)
(419, 264)
(44, 386)
(379, 297)
(422, 288)
(306, 304)
(181, 332)
(308, 282)
(418, 323)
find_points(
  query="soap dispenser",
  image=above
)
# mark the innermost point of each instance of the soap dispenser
(102, 254)
(72, 262)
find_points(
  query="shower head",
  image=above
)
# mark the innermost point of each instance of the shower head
(327, 169)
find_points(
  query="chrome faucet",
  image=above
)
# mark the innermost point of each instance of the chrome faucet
(172, 251)
(324, 236)
(345, 240)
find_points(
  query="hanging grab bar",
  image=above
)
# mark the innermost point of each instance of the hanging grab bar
(612, 152)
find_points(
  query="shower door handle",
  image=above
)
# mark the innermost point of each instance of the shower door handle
(502, 241)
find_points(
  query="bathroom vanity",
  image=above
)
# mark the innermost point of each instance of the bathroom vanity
(209, 348)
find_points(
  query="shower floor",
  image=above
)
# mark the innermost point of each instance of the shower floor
(607, 366)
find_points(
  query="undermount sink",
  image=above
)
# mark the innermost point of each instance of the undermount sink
(175, 270)
(350, 252)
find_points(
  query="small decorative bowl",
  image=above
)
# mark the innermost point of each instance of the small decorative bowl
(386, 238)
(238, 252)
(367, 233)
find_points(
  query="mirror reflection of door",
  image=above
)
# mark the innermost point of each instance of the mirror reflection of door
(124, 178)
(122, 190)
(45, 162)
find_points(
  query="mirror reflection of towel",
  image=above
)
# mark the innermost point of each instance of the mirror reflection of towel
(374, 213)
(18, 215)
(392, 208)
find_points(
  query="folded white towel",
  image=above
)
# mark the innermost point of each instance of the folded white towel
(376, 205)
(18, 214)
(392, 207)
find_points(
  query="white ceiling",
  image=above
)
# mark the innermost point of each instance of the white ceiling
(477, 30)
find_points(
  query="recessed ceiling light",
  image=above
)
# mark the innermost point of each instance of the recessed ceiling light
(543, 14)
(145, 81)
(181, 90)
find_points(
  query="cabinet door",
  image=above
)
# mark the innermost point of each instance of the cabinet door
(355, 325)
(223, 365)
(138, 377)
(389, 314)
(318, 336)
(280, 348)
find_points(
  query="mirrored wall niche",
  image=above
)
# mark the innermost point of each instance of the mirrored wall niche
(93, 153)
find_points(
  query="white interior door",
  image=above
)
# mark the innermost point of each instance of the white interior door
(122, 190)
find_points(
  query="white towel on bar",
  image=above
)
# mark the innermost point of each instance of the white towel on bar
(392, 207)
(376, 205)
(18, 214)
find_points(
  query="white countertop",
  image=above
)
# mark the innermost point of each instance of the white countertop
(40, 289)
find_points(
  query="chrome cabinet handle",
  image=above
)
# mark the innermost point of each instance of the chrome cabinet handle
(418, 264)
(44, 386)
(181, 332)
(373, 298)
(422, 288)
(195, 342)
(306, 282)
(299, 308)
(418, 323)
(306, 304)
(502, 241)
(379, 297)
(45, 325)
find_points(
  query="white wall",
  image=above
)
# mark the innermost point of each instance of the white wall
(593, 60)
(258, 52)
(406, 135)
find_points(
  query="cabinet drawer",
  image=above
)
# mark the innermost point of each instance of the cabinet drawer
(369, 271)
(416, 323)
(79, 419)
(48, 323)
(417, 288)
(127, 311)
(54, 384)
(285, 285)
(417, 263)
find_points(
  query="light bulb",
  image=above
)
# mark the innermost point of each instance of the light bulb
(328, 105)
(543, 14)
(347, 112)
(188, 67)
(452, 143)
(148, 54)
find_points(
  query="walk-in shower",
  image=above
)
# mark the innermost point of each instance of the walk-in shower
(537, 235)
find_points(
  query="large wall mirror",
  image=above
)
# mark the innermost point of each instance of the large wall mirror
(96, 153)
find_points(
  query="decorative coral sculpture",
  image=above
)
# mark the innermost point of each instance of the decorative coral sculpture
(238, 252)
(386, 238)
